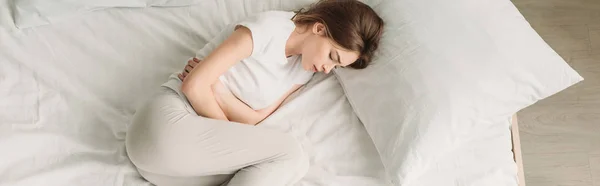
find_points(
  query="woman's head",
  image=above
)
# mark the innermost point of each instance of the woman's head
(342, 33)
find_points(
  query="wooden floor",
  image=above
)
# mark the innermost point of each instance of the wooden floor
(560, 136)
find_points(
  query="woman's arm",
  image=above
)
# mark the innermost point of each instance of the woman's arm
(197, 85)
(238, 111)
(233, 108)
(269, 110)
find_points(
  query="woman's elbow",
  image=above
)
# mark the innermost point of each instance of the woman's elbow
(186, 88)
(185, 84)
(190, 87)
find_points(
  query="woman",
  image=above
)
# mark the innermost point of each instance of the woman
(244, 76)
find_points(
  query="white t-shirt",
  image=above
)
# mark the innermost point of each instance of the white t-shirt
(267, 74)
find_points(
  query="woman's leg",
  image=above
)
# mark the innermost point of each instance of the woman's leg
(166, 139)
(160, 179)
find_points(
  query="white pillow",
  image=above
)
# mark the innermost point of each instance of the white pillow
(443, 67)
(30, 13)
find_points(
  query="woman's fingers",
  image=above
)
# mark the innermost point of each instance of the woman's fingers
(188, 68)
(193, 62)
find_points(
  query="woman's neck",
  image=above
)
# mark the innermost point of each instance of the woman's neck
(293, 46)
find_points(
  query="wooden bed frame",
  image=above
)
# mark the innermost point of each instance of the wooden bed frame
(516, 142)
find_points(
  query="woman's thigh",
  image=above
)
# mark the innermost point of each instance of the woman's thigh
(165, 138)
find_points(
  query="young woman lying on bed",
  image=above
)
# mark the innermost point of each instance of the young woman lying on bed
(245, 74)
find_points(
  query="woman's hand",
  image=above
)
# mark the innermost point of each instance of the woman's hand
(233, 108)
(188, 68)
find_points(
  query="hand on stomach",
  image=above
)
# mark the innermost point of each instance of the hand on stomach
(238, 111)
(233, 108)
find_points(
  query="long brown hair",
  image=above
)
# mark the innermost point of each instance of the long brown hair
(351, 24)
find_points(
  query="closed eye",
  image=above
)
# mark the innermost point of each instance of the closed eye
(331, 57)
(339, 60)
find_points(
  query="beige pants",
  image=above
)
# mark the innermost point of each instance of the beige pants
(172, 146)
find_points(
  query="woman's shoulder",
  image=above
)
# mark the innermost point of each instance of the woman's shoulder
(269, 31)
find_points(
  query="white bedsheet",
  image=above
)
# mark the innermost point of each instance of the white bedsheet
(67, 92)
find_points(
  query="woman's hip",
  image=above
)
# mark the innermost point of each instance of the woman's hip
(154, 125)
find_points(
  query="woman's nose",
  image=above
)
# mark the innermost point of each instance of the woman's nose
(328, 68)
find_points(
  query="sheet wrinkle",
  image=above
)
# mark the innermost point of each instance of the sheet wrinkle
(67, 161)
(20, 96)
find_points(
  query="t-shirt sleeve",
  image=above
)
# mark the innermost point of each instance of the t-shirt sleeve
(259, 27)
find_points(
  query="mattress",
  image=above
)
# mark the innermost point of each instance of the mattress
(69, 90)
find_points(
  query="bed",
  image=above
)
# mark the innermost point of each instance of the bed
(68, 91)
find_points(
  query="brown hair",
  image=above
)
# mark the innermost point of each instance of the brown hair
(351, 24)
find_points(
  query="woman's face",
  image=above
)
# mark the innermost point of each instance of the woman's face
(320, 54)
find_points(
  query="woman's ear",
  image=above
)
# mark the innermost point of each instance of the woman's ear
(318, 29)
